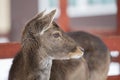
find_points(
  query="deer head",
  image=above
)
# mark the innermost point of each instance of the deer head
(42, 33)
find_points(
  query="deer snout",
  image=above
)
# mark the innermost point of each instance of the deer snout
(77, 53)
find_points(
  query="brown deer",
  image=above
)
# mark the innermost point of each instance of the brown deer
(42, 42)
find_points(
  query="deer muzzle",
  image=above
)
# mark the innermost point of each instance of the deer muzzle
(77, 53)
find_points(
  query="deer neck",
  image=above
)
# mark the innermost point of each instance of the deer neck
(45, 64)
(45, 68)
(39, 63)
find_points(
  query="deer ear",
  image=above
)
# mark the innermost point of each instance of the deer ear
(40, 15)
(51, 15)
(48, 18)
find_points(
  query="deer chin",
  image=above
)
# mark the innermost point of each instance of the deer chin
(76, 55)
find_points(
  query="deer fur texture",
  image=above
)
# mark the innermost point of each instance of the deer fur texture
(48, 53)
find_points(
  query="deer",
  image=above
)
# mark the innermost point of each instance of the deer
(41, 43)
(70, 56)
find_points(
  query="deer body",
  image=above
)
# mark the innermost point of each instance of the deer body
(96, 54)
(69, 70)
(42, 42)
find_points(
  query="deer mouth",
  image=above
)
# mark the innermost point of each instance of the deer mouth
(78, 53)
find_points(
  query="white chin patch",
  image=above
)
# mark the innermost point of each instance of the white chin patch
(77, 56)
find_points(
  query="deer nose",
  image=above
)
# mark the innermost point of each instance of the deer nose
(77, 53)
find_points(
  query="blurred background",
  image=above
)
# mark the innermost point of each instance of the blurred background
(94, 16)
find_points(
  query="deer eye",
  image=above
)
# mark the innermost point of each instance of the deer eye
(56, 35)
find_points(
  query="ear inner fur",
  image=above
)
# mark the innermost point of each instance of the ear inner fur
(50, 17)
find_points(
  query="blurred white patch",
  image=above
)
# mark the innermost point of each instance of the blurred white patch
(114, 69)
(5, 65)
(114, 53)
(4, 40)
